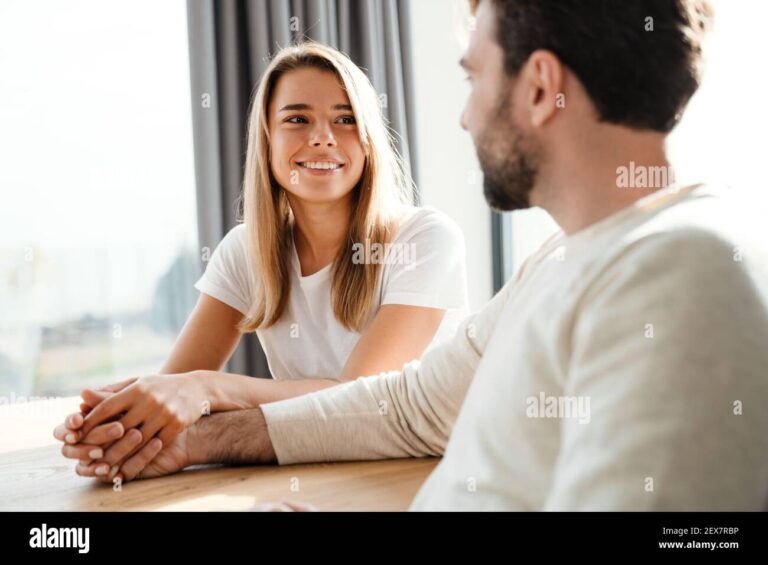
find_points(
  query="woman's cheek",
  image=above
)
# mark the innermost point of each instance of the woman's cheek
(356, 154)
(358, 167)
(281, 167)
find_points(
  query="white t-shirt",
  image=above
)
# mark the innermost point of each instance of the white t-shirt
(308, 341)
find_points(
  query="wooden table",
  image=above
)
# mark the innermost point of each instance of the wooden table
(35, 476)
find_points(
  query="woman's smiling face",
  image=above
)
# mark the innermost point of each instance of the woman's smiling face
(315, 149)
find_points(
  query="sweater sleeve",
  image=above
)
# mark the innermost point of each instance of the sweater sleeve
(674, 364)
(407, 413)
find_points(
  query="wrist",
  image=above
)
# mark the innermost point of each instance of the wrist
(195, 446)
(205, 390)
(266, 449)
(219, 439)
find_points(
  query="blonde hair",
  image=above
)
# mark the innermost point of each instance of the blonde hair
(383, 189)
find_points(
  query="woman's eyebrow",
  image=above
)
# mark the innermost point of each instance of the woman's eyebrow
(304, 106)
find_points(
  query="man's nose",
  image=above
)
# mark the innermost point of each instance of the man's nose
(463, 120)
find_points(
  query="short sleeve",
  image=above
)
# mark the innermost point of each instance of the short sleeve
(427, 266)
(226, 276)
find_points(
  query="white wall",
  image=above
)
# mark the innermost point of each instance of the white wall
(449, 175)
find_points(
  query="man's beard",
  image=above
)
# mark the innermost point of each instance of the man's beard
(509, 172)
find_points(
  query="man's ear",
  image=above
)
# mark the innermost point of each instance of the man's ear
(544, 82)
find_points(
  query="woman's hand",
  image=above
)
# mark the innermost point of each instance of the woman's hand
(86, 448)
(151, 461)
(160, 405)
(90, 447)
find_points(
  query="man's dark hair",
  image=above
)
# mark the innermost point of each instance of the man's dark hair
(639, 60)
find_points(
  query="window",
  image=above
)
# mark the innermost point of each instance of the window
(98, 231)
(721, 136)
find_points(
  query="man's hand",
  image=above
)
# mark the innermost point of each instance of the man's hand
(237, 437)
(159, 406)
(90, 447)
(93, 445)
(152, 460)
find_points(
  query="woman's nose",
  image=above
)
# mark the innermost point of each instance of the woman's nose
(323, 136)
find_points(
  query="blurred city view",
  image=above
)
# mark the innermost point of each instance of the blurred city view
(98, 249)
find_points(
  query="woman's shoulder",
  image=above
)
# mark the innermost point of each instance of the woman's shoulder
(233, 247)
(236, 237)
(426, 222)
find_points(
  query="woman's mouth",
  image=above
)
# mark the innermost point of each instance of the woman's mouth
(321, 167)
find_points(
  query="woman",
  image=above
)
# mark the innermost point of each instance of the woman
(336, 272)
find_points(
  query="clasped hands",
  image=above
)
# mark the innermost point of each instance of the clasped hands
(136, 428)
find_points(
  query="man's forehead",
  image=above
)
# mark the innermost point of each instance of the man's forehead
(482, 40)
(483, 49)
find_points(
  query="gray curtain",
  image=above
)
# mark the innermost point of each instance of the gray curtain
(230, 43)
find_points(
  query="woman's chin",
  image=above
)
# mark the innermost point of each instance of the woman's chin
(320, 193)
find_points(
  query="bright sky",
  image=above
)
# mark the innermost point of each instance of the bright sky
(96, 142)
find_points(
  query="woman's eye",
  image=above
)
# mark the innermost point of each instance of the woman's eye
(296, 120)
(347, 120)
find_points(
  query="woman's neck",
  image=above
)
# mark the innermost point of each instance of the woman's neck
(319, 231)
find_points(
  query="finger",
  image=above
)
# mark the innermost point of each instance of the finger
(96, 470)
(136, 416)
(170, 432)
(148, 429)
(63, 432)
(100, 434)
(122, 448)
(74, 421)
(117, 387)
(133, 466)
(82, 452)
(88, 470)
(106, 409)
(93, 397)
(105, 433)
(154, 426)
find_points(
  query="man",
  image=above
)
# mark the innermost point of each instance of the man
(625, 366)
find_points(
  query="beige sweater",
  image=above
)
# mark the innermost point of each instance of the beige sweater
(625, 367)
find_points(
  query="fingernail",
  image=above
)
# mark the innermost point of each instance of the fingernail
(113, 471)
(71, 438)
(102, 470)
(95, 453)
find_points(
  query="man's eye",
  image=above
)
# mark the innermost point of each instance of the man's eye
(296, 120)
(347, 120)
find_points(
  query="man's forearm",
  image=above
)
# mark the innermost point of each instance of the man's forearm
(239, 437)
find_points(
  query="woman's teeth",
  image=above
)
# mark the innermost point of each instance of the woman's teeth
(320, 165)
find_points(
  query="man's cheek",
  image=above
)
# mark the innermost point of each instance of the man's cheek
(472, 112)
